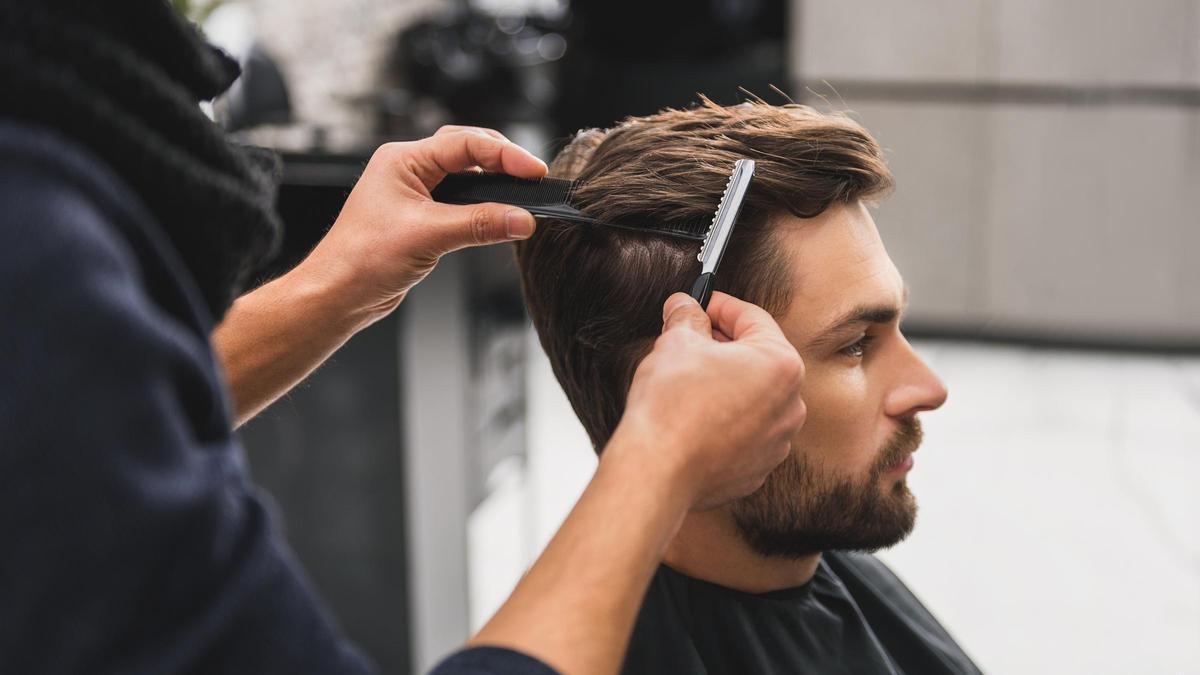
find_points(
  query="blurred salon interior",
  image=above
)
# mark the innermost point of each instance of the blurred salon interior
(1046, 155)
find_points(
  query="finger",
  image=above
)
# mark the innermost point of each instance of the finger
(682, 312)
(741, 320)
(450, 128)
(781, 453)
(458, 150)
(456, 227)
(799, 414)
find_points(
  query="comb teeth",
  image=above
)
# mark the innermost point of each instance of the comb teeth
(711, 225)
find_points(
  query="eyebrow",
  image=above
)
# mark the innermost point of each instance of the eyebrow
(863, 314)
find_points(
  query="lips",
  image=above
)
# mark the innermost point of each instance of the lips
(905, 464)
(897, 453)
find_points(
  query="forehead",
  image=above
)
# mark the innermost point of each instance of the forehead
(837, 262)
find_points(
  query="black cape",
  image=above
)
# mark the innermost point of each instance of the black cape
(854, 616)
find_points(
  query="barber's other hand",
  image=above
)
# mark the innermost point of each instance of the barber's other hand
(390, 233)
(718, 416)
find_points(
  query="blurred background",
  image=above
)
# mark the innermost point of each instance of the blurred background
(1047, 155)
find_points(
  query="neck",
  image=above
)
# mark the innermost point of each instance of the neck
(709, 547)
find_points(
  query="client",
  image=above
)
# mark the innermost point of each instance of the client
(780, 581)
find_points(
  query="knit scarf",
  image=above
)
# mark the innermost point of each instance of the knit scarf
(124, 79)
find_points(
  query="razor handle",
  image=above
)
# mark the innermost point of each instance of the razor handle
(703, 287)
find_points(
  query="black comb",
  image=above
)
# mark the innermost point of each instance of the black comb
(546, 198)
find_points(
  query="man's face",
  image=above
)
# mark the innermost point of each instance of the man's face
(844, 487)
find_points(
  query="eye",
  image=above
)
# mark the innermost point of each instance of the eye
(859, 348)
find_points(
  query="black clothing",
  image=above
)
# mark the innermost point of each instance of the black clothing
(134, 538)
(854, 616)
(135, 541)
(124, 80)
(491, 661)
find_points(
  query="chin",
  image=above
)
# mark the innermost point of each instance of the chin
(899, 488)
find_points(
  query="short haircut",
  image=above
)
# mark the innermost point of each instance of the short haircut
(595, 294)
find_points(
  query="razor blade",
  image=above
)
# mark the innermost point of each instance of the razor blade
(716, 240)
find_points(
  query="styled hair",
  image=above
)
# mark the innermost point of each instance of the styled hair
(595, 294)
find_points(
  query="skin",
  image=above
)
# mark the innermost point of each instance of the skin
(575, 608)
(856, 400)
(387, 238)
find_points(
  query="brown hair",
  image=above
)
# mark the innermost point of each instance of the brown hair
(595, 294)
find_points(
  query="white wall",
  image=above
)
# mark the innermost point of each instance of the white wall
(1058, 528)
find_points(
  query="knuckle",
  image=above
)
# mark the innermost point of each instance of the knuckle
(648, 364)
(481, 224)
(677, 339)
(779, 452)
(756, 485)
(668, 341)
(689, 315)
(391, 152)
(790, 367)
(693, 321)
(647, 368)
(393, 147)
(780, 374)
(792, 420)
(491, 148)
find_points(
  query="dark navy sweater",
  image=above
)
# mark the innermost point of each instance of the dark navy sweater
(134, 541)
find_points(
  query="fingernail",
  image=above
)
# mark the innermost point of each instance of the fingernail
(518, 223)
(674, 303)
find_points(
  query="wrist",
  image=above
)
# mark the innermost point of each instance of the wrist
(654, 461)
(329, 293)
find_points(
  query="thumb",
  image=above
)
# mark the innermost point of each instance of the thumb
(682, 312)
(453, 227)
(743, 321)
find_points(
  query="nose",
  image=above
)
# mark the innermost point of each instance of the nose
(917, 388)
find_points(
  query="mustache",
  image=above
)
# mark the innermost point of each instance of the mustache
(905, 441)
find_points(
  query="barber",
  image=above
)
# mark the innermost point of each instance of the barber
(134, 540)
(705, 421)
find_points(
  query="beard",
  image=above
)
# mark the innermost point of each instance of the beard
(804, 509)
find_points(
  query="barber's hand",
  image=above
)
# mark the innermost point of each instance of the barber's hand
(390, 233)
(718, 414)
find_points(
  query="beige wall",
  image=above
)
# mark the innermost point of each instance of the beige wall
(1047, 156)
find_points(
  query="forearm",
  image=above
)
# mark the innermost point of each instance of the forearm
(274, 336)
(388, 236)
(576, 607)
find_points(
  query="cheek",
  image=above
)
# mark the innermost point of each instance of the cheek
(840, 430)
